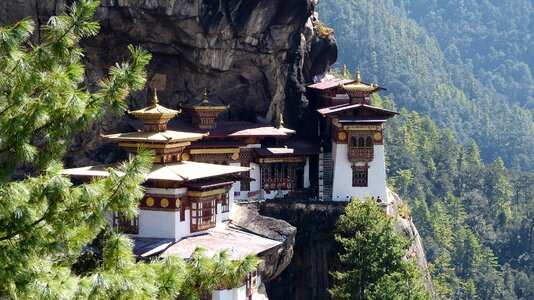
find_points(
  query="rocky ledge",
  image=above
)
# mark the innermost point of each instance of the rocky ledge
(315, 250)
(246, 218)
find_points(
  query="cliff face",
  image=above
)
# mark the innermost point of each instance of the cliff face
(255, 55)
(316, 251)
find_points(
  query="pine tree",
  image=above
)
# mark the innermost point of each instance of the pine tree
(45, 221)
(373, 257)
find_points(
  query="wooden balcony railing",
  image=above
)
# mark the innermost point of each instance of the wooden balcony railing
(360, 154)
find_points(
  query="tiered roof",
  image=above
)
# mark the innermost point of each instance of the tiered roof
(205, 112)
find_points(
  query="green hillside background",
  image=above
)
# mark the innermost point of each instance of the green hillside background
(462, 151)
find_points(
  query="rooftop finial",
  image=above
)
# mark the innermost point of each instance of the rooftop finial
(358, 76)
(344, 71)
(206, 98)
(155, 98)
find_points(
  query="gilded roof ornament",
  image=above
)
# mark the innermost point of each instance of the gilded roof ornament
(154, 110)
(281, 125)
(344, 71)
(358, 85)
(155, 99)
(206, 96)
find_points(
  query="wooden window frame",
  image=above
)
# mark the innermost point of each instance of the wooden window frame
(360, 176)
(225, 203)
(125, 225)
(203, 212)
(360, 146)
(252, 282)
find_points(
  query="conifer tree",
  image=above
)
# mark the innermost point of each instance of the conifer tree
(45, 221)
(373, 260)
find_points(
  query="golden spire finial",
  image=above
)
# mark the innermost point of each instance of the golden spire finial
(155, 98)
(344, 71)
(206, 97)
(358, 76)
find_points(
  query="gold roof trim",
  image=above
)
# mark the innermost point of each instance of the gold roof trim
(282, 128)
(206, 104)
(154, 109)
(358, 85)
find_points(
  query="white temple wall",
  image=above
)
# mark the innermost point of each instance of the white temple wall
(342, 181)
(226, 216)
(240, 293)
(183, 228)
(158, 224)
(255, 186)
(223, 295)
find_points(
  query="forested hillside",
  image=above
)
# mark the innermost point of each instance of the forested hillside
(476, 219)
(424, 73)
(462, 150)
(491, 38)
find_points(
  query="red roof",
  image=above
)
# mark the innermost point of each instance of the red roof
(357, 107)
(224, 129)
(328, 84)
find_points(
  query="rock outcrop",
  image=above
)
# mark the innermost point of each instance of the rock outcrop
(407, 227)
(255, 55)
(316, 251)
(246, 218)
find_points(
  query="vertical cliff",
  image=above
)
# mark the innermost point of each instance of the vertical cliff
(316, 252)
(255, 55)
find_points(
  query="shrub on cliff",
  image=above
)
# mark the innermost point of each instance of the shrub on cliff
(374, 257)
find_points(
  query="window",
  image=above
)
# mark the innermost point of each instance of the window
(124, 224)
(361, 147)
(225, 203)
(252, 282)
(203, 213)
(280, 175)
(360, 176)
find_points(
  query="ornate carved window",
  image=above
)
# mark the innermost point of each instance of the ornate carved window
(203, 213)
(360, 176)
(361, 147)
(280, 175)
(126, 225)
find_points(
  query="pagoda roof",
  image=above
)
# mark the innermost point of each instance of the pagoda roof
(359, 86)
(203, 144)
(357, 107)
(206, 103)
(329, 84)
(154, 110)
(179, 171)
(295, 148)
(165, 136)
(360, 119)
(225, 129)
(239, 244)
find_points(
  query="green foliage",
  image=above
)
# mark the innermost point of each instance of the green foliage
(467, 64)
(373, 257)
(474, 218)
(46, 223)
